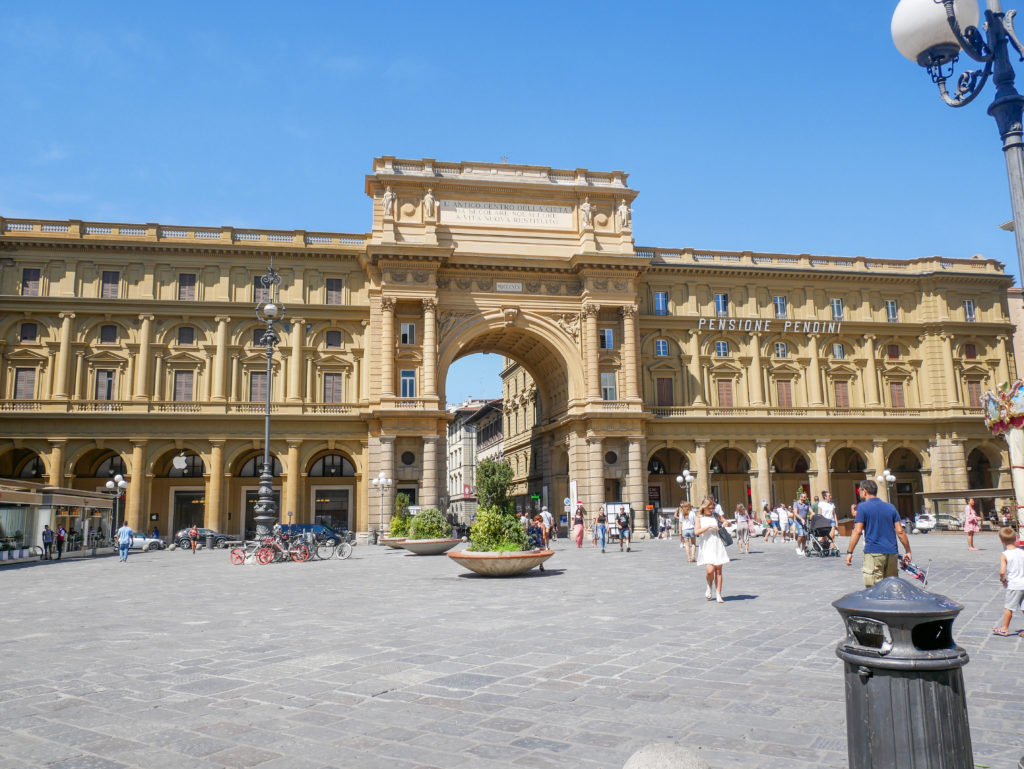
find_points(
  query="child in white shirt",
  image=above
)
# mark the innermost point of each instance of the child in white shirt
(1011, 574)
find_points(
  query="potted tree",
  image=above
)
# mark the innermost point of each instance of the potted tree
(498, 545)
(400, 520)
(429, 534)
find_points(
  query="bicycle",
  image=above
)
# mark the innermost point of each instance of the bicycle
(343, 551)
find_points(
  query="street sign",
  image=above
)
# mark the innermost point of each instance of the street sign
(566, 501)
(535, 497)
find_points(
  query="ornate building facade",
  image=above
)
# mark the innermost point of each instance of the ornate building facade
(124, 346)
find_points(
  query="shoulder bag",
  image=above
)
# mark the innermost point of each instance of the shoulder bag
(725, 535)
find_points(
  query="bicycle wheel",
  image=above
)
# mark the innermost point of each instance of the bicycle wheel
(264, 556)
(324, 551)
(344, 550)
(299, 553)
(237, 556)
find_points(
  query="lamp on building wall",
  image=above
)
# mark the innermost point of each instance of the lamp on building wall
(269, 312)
(116, 486)
(685, 480)
(933, 33)
(382, 483)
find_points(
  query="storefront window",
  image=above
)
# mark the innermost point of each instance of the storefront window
(15, 530)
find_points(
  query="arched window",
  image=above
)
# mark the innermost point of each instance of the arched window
(110, 467)
(254, 467)
(33, 468)
(332, 466)
(192, 467)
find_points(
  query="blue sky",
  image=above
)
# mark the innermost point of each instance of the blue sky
(744, 125)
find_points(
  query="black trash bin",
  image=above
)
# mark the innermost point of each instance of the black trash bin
(905, 701)
(373, 536)
(209, 541)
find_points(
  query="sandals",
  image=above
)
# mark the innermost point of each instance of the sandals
(1000, 631)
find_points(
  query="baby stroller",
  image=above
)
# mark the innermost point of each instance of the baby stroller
(819, 537)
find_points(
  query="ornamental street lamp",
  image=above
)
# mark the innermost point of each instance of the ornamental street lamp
(268, 312)
(684, 481)
(932, 33)
(888, 479)
(382, 483)
(116, 487)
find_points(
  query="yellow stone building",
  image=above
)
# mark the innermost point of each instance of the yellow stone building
(124, 346)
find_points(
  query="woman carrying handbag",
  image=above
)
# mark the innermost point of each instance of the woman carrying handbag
(710, 548)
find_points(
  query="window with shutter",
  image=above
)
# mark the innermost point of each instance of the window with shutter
(896, 395)
(893, 351)
(108, 334)
(333, 340)
(608, 389)
(186, 335)
(784, 387)
(183, 385)
(408, 333)
(334, 291)
(187, 287)
(30, 282)
(332, 388)
(29, 332)
(258, 386)
(664, 386)
(970, 351)
(725, 393)
(108, 288)
(842, 391)
(104, 385)
(260, 293)
(24, 384)
(974, 394)
(257, 336)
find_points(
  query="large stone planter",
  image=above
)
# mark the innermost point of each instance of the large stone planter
(501, 564)
(428, 546)
(392, 542)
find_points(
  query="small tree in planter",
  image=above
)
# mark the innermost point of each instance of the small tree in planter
(496, 528)
(429, 524)
(400, 519)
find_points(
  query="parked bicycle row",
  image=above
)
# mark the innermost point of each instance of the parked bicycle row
(286, 546)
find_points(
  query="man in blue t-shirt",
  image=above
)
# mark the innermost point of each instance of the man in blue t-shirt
(880, 524)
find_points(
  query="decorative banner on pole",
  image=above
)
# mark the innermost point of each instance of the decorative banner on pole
(1004, 415)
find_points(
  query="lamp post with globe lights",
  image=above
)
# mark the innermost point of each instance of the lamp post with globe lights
(269, 312)
(116, 487)
(382, 483)
(684, 481)
(888, 479)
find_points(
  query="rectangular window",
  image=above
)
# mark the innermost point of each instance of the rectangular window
(108, 288)
(24, 384)
(725, 393)
(837, 309)
(260, 293)
(664, 391)
(969, 310)
(974, 394)
(30, 282)
(186, 287)
(408, 333)
(722, 305)
(896, 395)
(608, 385)
(29, 332)
(257, 336)
(408, 383)
(183, 385)
(108, 334)
(258, 386)
(892, 351)
(332, 340)
(970, 351)
(781, 350)
(186, 335)
(332, 388)
(661, 348)
(606, 339)
(334, 291)
(842, 391)
(661, 303)
(781, 306)
(104, 385)
(722, 349)
(892, 310)
(838, 351)
(784, 388)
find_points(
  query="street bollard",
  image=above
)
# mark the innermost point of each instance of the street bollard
(905, 701)
(209, 541)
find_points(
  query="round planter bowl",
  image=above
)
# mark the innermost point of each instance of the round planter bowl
(392, 542)
(501, 564)
(428, 546)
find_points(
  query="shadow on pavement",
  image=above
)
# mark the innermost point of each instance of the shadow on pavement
(728, 598)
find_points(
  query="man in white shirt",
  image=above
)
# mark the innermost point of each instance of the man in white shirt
(827, 509)
(784, 520)
(545, 516)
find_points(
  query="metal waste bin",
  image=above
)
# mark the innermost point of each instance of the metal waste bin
(905, 701)
(209, 541)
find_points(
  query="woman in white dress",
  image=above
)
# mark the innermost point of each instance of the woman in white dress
(710, 548)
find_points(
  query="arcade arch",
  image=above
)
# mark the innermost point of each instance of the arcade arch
(906, 465)
(789, 475)
(663, 466)
(729, 479)
(848, 468)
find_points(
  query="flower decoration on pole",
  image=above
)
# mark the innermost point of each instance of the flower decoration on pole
(1004, 415)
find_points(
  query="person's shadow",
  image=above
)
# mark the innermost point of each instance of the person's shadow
(739, 598)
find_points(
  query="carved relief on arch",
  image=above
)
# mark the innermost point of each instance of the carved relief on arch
(448, 320)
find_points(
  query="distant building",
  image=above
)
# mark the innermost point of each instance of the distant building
(462, 459)
(1015, 302)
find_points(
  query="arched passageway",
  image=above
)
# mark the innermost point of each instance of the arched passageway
(848, 468)
(789, 475)
(905, 464)
(729, 479)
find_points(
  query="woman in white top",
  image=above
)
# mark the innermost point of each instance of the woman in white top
(743, 528)
(783, 512)
(772, 523)
(687, 523)
(710, 548)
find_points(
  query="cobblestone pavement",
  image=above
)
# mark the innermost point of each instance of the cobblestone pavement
(387, 660)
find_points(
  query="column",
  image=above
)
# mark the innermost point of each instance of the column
(60, 378)
(215, 488)
(124, 387)
(138, 487)
(637, 482)
(629, 354)
(430, 348)
(870, 373)
(57, 463)
(947, 367)
(79, 376)
(380, 516)
(814, 373)
(820, 481)
(701, 470)
(220, 360)
(310, 382)
(878, 460)
(754, 375)
(293, 489)
(208, 377)
(1002, 372)
(295, 365)
(387, 347)
(591, 349)
(142, 370)
(764, 477)
(428, 483)
(595, 490)
(158, 388)
(236, 378)
(696, 374)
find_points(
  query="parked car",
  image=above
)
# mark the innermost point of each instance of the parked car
(141, 541)
(182, 540)
(949, 522)
(925, 522)
(730, 526)
(321, 533)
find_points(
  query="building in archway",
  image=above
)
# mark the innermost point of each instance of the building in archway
(138, 343)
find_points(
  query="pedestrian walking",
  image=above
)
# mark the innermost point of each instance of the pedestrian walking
(47, 542)
(687, 524)
(783, 512)
(801, 514)
(972, 523)
(62, 536)
(125, 540)
(710, 549)
(623, 523)
(827, 509)
(546, 518)
(193, 537)
(601, 527)
(578, 526)
(880, 525)
(1011, 574)
(156, 533)
(743, 526)
(772, 522)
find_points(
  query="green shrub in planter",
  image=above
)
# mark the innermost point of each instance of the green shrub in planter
(495, 531)
(430, 524)
(400, 518)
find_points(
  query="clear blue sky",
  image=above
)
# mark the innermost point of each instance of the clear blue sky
(744, 125)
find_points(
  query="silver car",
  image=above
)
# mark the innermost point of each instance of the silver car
(145, 542)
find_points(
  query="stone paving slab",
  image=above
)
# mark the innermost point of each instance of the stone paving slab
(404, 662)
